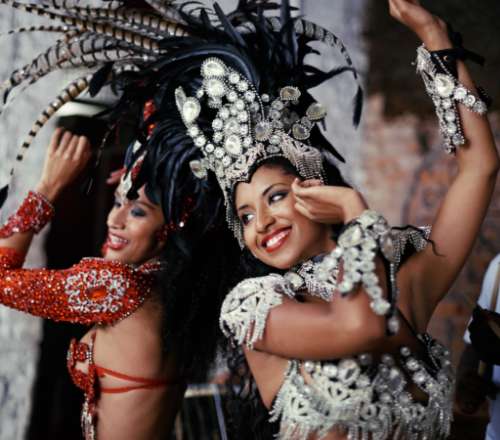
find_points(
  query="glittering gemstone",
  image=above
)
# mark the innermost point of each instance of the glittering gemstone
(272, 149)
(262, 131)
(300, 132)
(365, 359)
(363, 381)
(460, 93)
(480, 107)
(348, 371)
(231, 126)
(226, 161)
(393, 324)
(316, 111)
(242, 86)
(213, 67)
(234, 78)
(198, 169)
(265, 97)
(419, 377)
(243, 129)
(275, 139)
(289, 93)
(444, 85)
(193, 131)
(295, 280)
(242, 117)
(232, 96)
(412, 364)
(232, 145)
(200, 141)
(219, 153)
(190, 110)
(352, 236)
(405, 351)
(218, 136)
(278, 105)
(447, 103)
(451, 128)
(396, 381)
(330, 370)
(450, 116)
(247, 141)
(209, 148)
(275, 114)
(249, 95)
(224, 113)
(458, 139)
(309, 366)
(470, 100)
(200, 93)
(215, 88)
(217, 124)
(387, 359)
(380, 306)
(255, 106)
(345, 286)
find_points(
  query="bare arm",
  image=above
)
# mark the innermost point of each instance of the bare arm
(462, 210)
(66, 156)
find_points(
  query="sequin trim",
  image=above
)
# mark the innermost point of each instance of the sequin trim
(33, 214)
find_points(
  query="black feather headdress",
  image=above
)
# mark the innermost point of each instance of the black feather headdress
(146, 50)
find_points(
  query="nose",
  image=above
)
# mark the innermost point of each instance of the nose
(117, 217)
(264, 219)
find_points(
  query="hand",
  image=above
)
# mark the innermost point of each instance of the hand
(67, 155)
(115, 176)
(428, 27)
(327, 204)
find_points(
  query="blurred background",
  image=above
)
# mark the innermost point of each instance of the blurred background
(394, 158)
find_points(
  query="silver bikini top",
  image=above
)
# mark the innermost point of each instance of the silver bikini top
(363, 397)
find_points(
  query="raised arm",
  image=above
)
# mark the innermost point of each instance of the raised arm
(462, 210)
(66, 156)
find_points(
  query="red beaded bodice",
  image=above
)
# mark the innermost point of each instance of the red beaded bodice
(94, 291)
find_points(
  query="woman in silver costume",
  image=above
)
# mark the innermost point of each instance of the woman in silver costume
(335, 333)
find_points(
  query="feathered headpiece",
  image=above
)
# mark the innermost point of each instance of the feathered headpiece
(240, 81)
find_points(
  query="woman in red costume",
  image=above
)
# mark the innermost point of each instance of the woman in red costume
(133, 384)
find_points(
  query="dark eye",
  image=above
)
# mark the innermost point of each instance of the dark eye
(246, 218)
(138, 212)
(277, 196)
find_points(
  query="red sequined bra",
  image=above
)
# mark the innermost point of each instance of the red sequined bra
(94, 291)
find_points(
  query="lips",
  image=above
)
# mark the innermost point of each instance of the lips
(115, 242)
(275, 240)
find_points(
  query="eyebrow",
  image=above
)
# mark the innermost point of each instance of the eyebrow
(269, 188)
(150, 206)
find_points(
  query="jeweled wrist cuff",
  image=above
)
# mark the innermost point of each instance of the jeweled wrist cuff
(446, 92)
(357, 247)
(33, 214)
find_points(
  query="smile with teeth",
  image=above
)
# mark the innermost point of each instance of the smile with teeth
(276, 240)
(116, 243)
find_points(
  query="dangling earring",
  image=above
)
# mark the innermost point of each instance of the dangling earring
(162, 233)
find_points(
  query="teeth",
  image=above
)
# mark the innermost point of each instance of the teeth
(274, 240)
(117, 240)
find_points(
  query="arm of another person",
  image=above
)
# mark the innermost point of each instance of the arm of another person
(67, 155)
(93, 291)
(459, 217)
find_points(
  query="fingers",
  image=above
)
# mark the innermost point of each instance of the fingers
(115, 176)
(303, 210)
(55, 140)
(82, 150)
(70, 150)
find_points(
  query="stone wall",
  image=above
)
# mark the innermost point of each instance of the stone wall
(20, 334)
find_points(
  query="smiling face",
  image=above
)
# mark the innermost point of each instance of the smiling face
(273, 230)
(132, 230)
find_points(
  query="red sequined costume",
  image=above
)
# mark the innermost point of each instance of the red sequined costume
(94, 291)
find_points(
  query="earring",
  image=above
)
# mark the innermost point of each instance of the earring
(162, 233)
